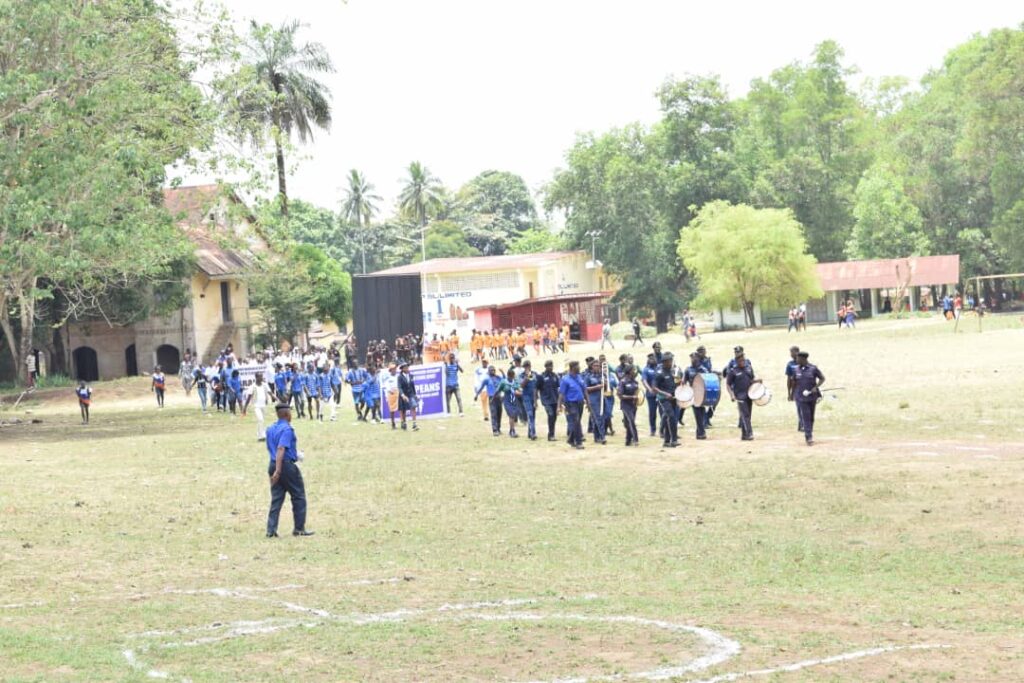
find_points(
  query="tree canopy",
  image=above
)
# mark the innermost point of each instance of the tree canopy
(743, 256)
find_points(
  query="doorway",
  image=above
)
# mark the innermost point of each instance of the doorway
(225, 302)
(168, 358)
(86, 365)
(131, 362)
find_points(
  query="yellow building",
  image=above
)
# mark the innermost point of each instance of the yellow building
(218, 310)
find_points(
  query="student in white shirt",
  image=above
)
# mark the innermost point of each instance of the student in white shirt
(259, 394)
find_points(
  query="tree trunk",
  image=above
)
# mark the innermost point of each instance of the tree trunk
(58, 356)
(282, 188)
(748, 314)
(661, 318)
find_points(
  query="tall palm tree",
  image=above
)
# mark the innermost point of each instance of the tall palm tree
(283, 95)
(421, 195)
(359, 206)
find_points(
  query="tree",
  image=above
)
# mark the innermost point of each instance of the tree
(536, 240)
(497, 208)
(331, 285)
(617, 184)
(888, 224)
(744, 256)
(445, 239)
(421, 195)
(308, 224)
(359, 207)
(277, 93)
(805, 139)
(98, 102)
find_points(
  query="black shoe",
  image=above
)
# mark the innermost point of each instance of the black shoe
(302, 532)
(578, 447)
(551, 438)
(702, 437)
(747, 438)
(272, 534)
(810, 442)
(497, 433)
(674, 444)
(415, 427)
(514, 435)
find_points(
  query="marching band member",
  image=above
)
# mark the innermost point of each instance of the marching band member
(647, 376)
(699, 413)
(807, 381)
(571, 395)
(547, 390)
(511, 392)
(528, 382)
(595, 400)
(738, 380)
(491, 387)
(664, 387)
(629, 393)
(794, 352)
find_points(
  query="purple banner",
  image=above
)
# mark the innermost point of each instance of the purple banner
(429, 381)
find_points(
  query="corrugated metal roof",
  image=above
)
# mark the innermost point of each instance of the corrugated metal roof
(470, 264)
(190, 208)
(885, 273)
(557, 298)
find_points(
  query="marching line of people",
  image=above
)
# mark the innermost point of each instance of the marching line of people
(587, 395)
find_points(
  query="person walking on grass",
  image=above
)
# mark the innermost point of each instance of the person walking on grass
(260, 395)
(452, 368)
(200, 383)
(159, 385)
(606, 334)
(637, 333)
(407, 399)
(84, 394)
(807, 381)
(285, 476)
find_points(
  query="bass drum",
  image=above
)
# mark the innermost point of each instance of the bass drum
(707, 390)
(684, 396)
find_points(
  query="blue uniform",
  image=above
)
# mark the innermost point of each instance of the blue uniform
(547, 391)
(647, 375)
(356, 379)
(311, 383)
(594, 401)
(335, 376)
(371, 391)
(807, 379)
(281, 383)
(298, 381)
(790, 371)
(529, 402)
(325, 386)
(281, 434)
(571, 391)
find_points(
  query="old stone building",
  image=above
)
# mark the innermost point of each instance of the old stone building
(217, 313)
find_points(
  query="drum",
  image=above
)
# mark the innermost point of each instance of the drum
(707, 390)
(759, 394)
(684, 396)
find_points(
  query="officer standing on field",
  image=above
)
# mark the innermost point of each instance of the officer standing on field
(807, 380)
(285, 477)
(738, 379)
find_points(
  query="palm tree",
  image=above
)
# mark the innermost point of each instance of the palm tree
(283, 94)
(359, 206)
(421, 195)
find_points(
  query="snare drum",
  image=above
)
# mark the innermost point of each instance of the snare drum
(707, 390)
(765, 398)
(684, 396)
(756, 392)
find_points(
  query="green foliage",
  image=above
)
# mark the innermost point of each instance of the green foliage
(358, 208)
(97, 103)
(446, 239)
(307, 224)
(536, 240)
(888, 224)
(744, 256)
(497, 208)
(331, 285)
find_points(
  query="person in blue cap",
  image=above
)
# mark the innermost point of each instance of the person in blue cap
(285, 476)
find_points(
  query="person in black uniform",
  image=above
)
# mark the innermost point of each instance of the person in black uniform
(807, 380)
(629, 393)
(738, 379)
(407, 400)
(699, 413)
(647, 376)
(737, 352)
(705, 363)
(637, 337)
(547, 391)
(794, 351)
(664, 387)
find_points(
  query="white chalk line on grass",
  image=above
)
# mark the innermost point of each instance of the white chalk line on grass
(717, 648)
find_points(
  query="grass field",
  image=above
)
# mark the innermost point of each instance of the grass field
(893, 550)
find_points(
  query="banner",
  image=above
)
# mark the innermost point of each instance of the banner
(429, 382)
(247, 373)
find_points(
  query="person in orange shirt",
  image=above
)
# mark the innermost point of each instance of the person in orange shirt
(474, 346)
(536, 341)
(506, 340)
(453, 343)
(491, 339)
(565, 337)
(552, 338)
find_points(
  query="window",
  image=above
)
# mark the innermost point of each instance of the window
(472, 282)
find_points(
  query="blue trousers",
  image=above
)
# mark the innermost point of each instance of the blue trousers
(291, 484)
(574, 416)
(552, 410)
(806, 409)
(652, 413)
(529, 415)
(596, 419)
(202, 396)
(496, 413)
(700, 417)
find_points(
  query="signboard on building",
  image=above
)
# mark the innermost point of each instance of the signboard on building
(429, 382)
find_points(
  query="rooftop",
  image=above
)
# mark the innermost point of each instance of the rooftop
(190, 208)
(886, 273)
(469, 264)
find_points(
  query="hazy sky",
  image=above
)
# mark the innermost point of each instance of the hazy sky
(470, 85)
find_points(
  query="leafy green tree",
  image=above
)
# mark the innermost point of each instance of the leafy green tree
(537, 240)
(806, 141)
(743, 256)
(359, 207)
(497, 207)
(615, 184)
(331, 285)
(284, 297)
(888, 223)
(276, 92)
(308, 224)
(446, 239)
(97, 103)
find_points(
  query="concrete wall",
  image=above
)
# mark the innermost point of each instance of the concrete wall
(109, 343)
(207, 317)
